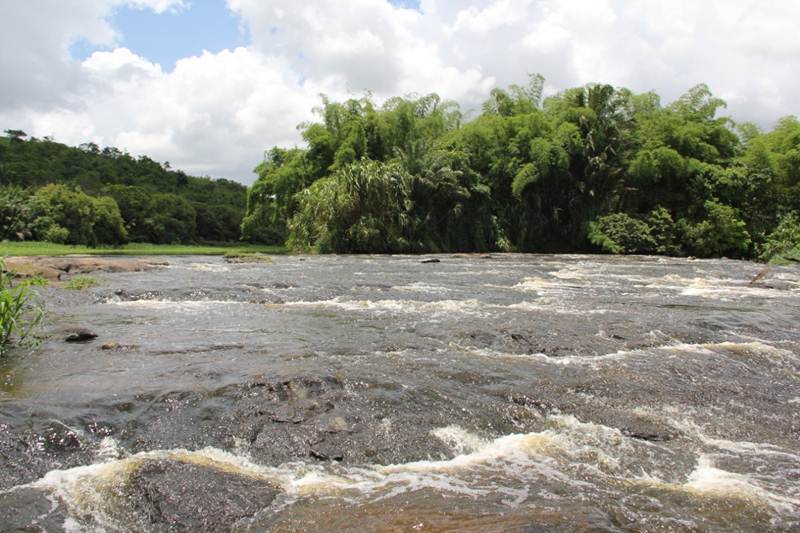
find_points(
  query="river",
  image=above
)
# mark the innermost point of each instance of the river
(377, 393)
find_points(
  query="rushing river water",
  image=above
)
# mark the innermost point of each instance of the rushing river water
(513, 393)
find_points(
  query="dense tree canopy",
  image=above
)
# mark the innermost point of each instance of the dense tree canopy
(591, 168)
(105, 196)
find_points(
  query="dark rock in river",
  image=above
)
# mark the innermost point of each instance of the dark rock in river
(58, 437)
(177, 496)
(117, 347)
(636, 426)
(27, 509)
(79, 335)
(431, 260)
(326, 453)
(332, 422)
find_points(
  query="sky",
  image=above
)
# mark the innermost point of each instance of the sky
(209, 85)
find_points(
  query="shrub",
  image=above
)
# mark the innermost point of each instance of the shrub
(664, 232)
(364, 207)
(620, 233)
(784, 241)
(80, 283)
(19, 313)
(68, 215)
(722, 233)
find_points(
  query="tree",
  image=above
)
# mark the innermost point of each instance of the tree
(16, 135)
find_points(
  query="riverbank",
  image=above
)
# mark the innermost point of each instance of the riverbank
(15, 249)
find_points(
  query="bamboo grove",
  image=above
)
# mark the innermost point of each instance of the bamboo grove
(594, 168)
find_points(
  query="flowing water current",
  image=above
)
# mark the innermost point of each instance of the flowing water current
(513, 393)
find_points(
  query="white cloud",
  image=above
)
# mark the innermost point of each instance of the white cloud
(496, 15)
(159, 6)
(216, 113)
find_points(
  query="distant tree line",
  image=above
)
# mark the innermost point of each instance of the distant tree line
(93, 196)
(594, 168)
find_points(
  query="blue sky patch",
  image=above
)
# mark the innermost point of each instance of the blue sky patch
(167, 37)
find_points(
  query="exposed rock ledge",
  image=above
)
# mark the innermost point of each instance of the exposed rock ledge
(52, 268)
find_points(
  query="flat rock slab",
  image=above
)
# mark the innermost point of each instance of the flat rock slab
(53, 267)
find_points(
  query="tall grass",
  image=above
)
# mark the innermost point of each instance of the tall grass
(19, 312)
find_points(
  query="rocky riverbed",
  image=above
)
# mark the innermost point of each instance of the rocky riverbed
(476, 393)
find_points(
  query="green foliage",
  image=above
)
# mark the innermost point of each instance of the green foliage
(664, 232)
(61, 214)
(592, 166)
(247, 257)
(81, 283)
(364, 207)
(19, 313)
(784, 241)
(135, 184)
(172, 221)
(14, 213)
(620, 233)
(722, 233)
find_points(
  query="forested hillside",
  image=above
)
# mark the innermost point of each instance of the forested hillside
(88, 195)
(594, 168)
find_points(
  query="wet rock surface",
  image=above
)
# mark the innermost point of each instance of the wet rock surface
(30, 510)
(77, 334)
(176, 496)
(54, 267)
(366, 391)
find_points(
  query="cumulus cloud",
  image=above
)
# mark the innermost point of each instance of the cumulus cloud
(215, 113)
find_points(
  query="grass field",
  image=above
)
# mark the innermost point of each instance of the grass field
(10, 249)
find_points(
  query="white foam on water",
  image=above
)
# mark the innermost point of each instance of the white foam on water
(182, 306)
(565, 453)
(717, 288)
(546, 305)
(209, 267)
(93, 489)
(421, 287)
(744, 448)
(570, 273)
(436, 308)
(566, 360)
(540, 285)
(108, 449)
(736, 350)
(708, 480)
(739, 351)
(72, 526)
(459, 440)
(728, 349)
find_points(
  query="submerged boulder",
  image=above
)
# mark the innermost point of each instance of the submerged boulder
(172, 495)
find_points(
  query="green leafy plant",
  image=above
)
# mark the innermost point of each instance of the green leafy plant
(80, 283)
(20, 314)
(783, 244)
(620, 233)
